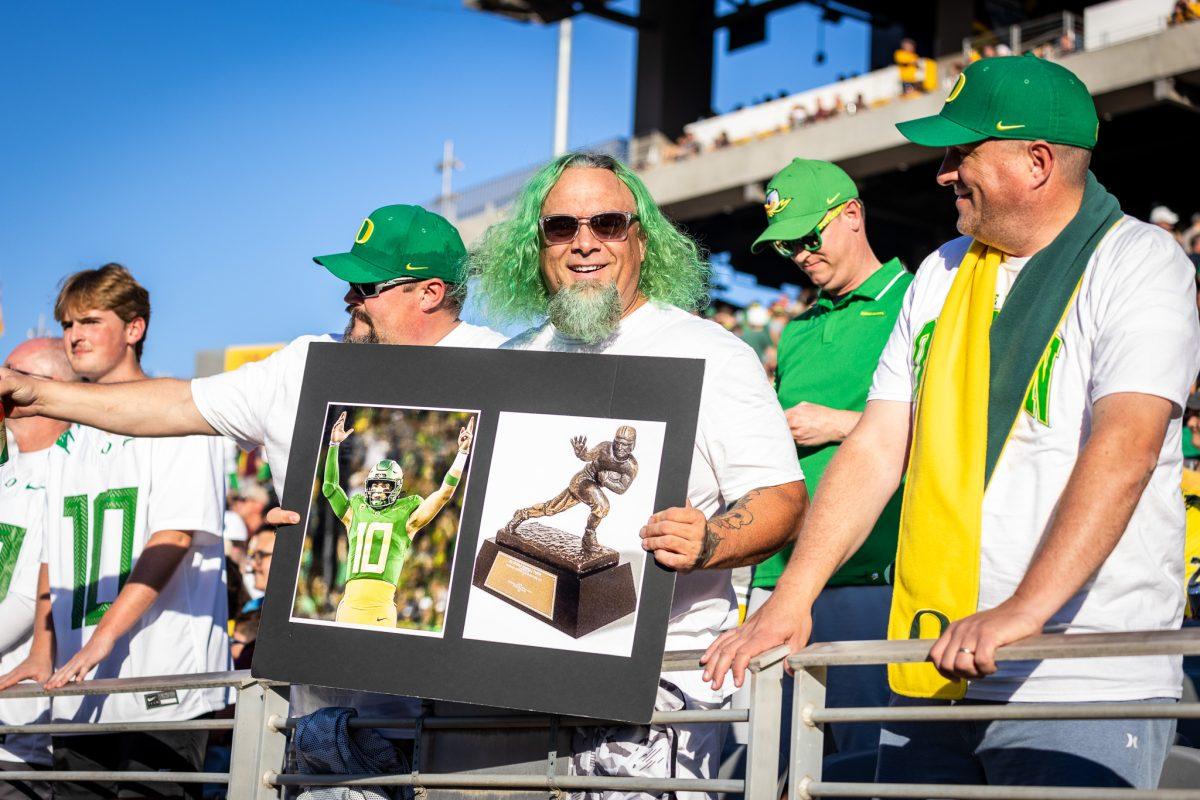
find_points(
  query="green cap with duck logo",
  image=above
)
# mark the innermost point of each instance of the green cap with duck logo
(401, 242)
(1011, 97)
(799, 196)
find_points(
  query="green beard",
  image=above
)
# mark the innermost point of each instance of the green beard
(586, 311)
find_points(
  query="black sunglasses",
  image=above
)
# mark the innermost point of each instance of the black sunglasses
(368, 290)
(607, 226)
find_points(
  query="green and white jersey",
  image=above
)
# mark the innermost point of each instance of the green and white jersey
(22, 507)
(106, 495)
(379, 541)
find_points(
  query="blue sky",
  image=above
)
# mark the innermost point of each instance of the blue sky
(214, 146)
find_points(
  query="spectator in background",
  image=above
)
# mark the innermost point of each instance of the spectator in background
(754, 332)
(241, 644)
(1184, 11)
(22, 511)
(251, 503)
(1191, 233)
(236, 536)
(907, 60)
(798, 117)
(1166, 219)
(262, 546)
(826, 358)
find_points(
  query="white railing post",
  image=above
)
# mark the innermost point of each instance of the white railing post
(762, 753)
(1014, 39)
(258, 745)
(808, 737)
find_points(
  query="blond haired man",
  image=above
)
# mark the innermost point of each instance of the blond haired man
(133, 561)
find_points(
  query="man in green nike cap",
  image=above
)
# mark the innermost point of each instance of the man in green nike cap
(816, 219)
(405, 270)
(1032, 388)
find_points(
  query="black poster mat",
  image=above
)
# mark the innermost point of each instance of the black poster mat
(482, 616)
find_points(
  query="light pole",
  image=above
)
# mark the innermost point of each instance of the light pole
(562, 99)
(447, 166)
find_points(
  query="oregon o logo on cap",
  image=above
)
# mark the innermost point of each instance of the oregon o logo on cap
(364, 232)
(958, 87)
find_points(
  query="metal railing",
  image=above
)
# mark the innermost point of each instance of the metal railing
(261, 727)
(809, 713)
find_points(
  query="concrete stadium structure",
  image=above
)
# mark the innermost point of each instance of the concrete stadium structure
(1147, 89)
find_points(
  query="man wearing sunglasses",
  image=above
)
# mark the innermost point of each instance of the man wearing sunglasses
(405, 270)
(827, 355)
(588, 249)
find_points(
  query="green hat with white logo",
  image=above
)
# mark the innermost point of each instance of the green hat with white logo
(1011, 97)
(401, 242)
(799, 197)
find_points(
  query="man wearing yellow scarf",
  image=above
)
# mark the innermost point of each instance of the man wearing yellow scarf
(1033, 388)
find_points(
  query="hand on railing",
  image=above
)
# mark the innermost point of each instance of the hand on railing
(967, 648)
(32, 668)
(780, 622)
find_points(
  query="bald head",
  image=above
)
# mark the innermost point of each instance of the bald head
(41, 358)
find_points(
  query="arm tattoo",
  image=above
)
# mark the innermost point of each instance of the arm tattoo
(736, 517)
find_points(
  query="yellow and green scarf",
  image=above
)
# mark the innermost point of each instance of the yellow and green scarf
(974, 382)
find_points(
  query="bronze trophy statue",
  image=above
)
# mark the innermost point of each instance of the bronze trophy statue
(574, 583)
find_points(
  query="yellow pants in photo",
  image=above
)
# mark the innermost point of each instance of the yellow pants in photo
(368, 602)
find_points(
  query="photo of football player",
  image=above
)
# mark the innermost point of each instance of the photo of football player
(380, 524)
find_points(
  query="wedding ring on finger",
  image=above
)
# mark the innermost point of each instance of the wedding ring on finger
(966, 650)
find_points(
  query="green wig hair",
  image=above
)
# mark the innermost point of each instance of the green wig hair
(507, 261)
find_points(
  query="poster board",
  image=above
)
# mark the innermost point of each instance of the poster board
(495, 619)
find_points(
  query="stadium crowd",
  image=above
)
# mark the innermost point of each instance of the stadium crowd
(853, 372)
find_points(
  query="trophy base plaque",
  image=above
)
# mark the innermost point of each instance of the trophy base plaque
(548, 574)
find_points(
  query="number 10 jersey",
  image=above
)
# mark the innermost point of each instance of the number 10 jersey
(106, 495)
(378, 539)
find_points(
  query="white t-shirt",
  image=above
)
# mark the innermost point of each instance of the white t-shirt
(22, 510)
(1132, 328)
(106, 495)
(256, 404)
(742, 443)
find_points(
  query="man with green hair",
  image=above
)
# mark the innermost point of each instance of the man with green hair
(1033, 386)
(589, 256)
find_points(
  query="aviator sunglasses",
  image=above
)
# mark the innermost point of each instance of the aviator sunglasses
(811, 241)
(607, 226)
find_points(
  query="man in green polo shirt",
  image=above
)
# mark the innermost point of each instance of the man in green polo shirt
(827, 356)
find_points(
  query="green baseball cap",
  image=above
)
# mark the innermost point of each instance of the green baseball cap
(799, 196)
(1011, 97)
(401, 242)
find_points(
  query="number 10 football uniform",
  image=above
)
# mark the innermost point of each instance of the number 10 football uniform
(106, 495)
(378, 546)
